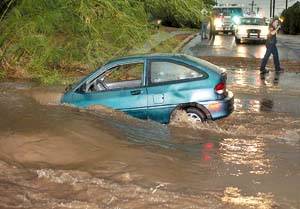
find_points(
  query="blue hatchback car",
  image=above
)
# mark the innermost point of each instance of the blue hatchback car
(154, 86)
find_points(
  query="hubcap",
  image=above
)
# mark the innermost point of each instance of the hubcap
(194, 117)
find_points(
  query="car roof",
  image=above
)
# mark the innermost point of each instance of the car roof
(170, 56)
(152, 56)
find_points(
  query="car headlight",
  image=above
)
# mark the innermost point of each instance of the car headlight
(218, 22)
(236, 20)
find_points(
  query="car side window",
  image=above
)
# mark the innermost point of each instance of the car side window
(121, 76)
(124, 76)
(162, 71)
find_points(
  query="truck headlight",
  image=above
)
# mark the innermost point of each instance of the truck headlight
(218, 22)
(236, 20)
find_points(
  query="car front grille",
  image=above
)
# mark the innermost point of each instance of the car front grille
(253, 31)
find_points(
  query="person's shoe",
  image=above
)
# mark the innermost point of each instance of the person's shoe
(280, 70)
(265, 71)
(262, 76)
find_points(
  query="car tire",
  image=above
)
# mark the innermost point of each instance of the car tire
(237, 41)
(195, 114)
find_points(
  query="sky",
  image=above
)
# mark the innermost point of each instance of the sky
(264, 5)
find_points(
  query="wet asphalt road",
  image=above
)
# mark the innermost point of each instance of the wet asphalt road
(224, 45)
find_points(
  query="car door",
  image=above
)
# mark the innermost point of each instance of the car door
(171, 83)
(121, 87)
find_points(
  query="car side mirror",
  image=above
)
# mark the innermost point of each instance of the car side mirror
(82, 89)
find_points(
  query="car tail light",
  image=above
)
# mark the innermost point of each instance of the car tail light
(220, 88)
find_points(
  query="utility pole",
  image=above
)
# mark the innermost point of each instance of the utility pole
(286, 4)
(271, 5)
(252, 6)
(274, 8)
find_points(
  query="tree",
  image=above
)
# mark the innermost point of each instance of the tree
(291, 19)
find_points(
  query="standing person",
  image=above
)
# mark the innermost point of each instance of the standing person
(212, 29)
(271, 48)
(204, 24)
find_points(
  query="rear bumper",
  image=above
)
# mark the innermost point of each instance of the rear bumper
(220, 108)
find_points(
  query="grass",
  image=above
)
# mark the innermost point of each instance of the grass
(167, 46)
(46, 40)
(46, 37)
(2, 74)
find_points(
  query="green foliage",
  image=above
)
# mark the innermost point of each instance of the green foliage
(5, 6)
(167, 46)
(45, 37)
(291, 16)
(2, 73)
(178, 13)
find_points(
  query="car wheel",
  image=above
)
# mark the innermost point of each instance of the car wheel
(237, 41)
(195, 115)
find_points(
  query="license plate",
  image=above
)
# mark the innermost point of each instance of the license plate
(253, 34)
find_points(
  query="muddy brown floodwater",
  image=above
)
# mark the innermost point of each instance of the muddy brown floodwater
(54, 156)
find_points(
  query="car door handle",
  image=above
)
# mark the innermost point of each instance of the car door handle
(135, 92)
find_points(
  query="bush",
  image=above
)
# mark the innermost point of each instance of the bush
(44, 37)
(291, 16)
(178, 13)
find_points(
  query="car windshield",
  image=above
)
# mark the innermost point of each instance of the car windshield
(229, 11)
(252, 21)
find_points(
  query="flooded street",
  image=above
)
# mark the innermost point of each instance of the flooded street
(224, 45)
(54, 156)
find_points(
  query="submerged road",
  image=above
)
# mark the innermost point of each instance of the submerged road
(224, 45)
(54, 156)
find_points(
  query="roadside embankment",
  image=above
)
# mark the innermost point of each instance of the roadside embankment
(46, 41)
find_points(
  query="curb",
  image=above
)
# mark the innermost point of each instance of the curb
(184, 42)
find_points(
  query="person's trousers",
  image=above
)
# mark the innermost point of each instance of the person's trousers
(271, 49)
(203, 30)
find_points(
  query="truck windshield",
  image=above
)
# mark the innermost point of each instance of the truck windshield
(228, 11)
(252, 21)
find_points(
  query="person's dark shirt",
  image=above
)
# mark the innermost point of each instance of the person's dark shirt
(271, 39)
